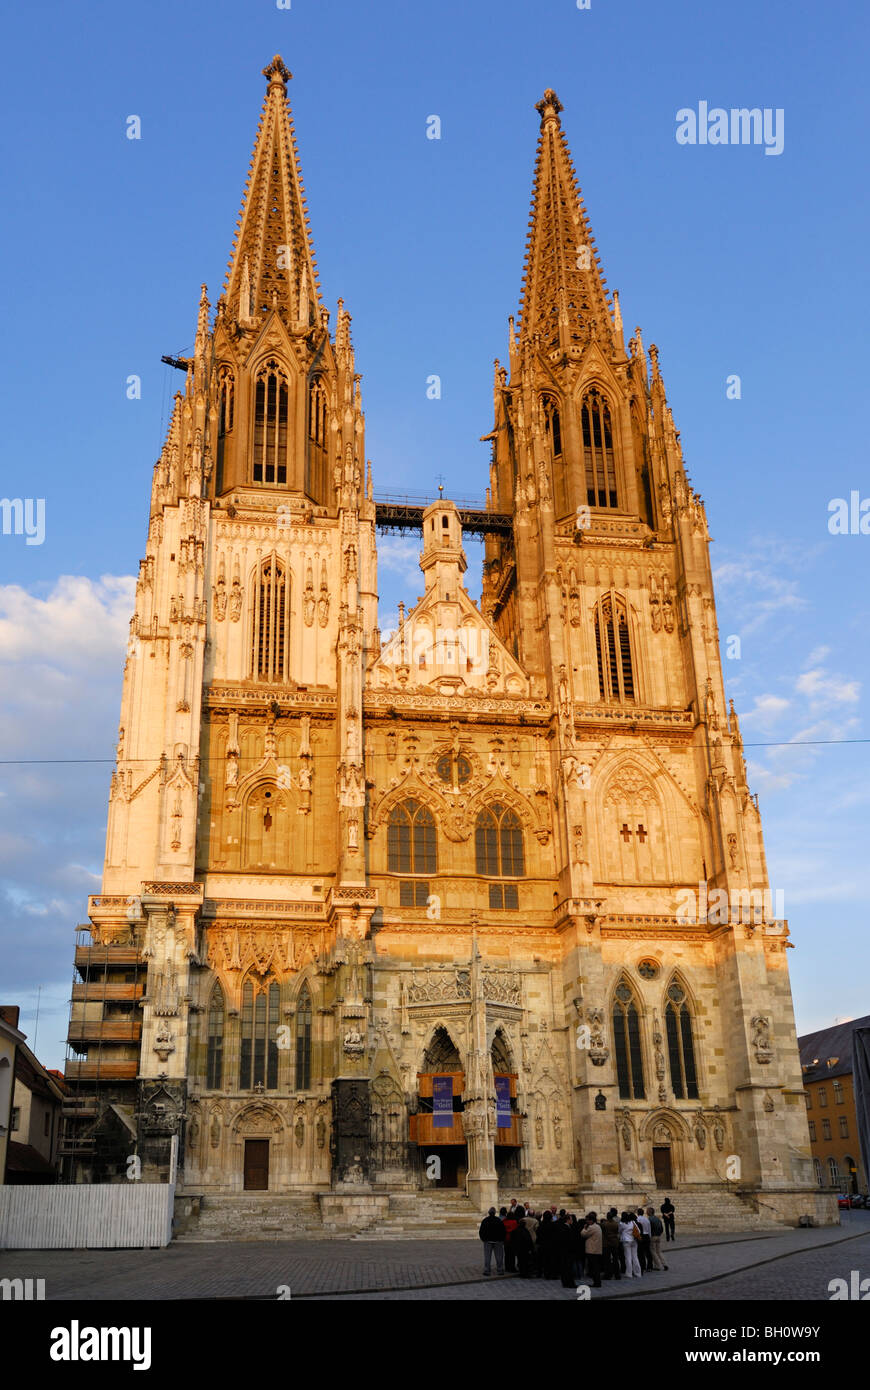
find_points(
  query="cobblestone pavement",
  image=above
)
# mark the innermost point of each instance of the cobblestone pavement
(791, 1264)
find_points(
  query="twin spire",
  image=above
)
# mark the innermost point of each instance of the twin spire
(272, 263)
(563, 295)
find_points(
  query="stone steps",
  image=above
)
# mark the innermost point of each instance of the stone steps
(444, 1215)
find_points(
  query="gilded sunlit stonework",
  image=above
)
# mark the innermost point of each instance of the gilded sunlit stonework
(346, 877)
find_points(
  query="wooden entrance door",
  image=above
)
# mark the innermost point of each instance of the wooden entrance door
(662, 1167)
(256, 1165)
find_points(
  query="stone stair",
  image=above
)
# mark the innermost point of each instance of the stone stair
(445, 1215)
(434, 1215)
(250, 1216)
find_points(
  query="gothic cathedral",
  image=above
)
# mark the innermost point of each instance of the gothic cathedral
(432, 910)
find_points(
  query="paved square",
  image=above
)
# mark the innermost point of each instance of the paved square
(788, 1264)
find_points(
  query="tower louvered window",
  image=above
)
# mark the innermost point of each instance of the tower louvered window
(270, 622)
(316, 479)
(226, 407)
(270, 425)
(553, 432)
(598, 451)
(613, 650)
(626, 1044)
(681, 1047)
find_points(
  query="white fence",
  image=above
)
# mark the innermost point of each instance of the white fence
(87, 1216)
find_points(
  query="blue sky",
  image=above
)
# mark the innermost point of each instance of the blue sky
(730, 260)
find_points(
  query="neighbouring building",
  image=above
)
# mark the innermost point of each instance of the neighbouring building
(826, 1063)
(35, 1131)
(370, 900)
(11, 1038)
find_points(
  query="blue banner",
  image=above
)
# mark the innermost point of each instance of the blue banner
(442, 1102)
(503, 1102)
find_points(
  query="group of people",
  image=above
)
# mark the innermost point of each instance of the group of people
(559, 1245)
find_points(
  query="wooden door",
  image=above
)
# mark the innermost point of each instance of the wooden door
(256, 1165)
(662, 1167)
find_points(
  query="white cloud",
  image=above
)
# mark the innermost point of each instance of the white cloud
(817, 656)
(767, 708)
(80, 621)
(823, 689)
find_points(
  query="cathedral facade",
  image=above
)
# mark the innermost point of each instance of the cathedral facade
(384, 914)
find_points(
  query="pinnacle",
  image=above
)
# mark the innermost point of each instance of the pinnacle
(563, 297)
(549, 106)
(272, 262)
(278, 74)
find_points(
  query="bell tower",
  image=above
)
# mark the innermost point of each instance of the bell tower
(286, 397)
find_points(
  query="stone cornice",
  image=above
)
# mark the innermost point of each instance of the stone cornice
(502, 709)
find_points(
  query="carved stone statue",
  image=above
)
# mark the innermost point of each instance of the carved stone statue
(557, 1129)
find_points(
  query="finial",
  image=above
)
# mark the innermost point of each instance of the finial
(549, 106)
(202, 316)
(277, 73)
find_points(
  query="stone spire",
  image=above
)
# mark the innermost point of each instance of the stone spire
(273, 261)
(563, 297)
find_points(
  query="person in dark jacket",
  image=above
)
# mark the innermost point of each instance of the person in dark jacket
(492, 1234)
(611, 1267)
(545, 1230)
(510, 1223)
(667, 1210)
(565, 1252)
(523, 1245)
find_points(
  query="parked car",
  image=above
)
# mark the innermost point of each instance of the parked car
(858, 1200)
(843, 1202)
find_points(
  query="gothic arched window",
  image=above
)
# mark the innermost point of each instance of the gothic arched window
(226, 401)
(316, 411)
(598, 451)
(626, 1044)
(681, 1047)
(553, 433)
(215, 1059)
(270, 627)
(613, 649)
(498, 845)
(258, 1063)
(271, 397)
(412, 848)
(226, 404)
(303, 1040)
(316, 480)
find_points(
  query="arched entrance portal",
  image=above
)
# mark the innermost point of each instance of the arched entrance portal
(508, 1137)
(437, 1128)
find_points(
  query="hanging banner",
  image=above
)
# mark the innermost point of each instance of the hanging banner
(442, 1102)
(503, 1102)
